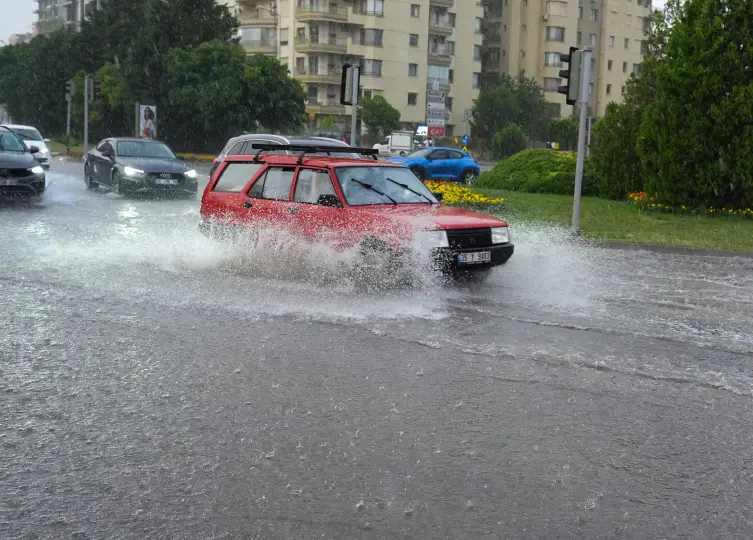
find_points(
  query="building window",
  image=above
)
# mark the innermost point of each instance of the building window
(551, 84)
(611, 41)
(624, 67)
(609, 89)
(590, 88)
(644, 46)
(440, 73)
(367, 94)
(414, 40)
(448, 103)
(412, 99)
(371, 7)
(580, 12)
(555, 33)
(372, 68)
(622, 90)
(636, 69)
(609, 65)
(594, 14)
(627, 44)
(479, 25)
(579, 37)
(592, 40)
(371, 36)
(415, 10)
(476, 80)
(477, 52)
(451, 75)
(593, 64)
(552, 59)
(412, 70)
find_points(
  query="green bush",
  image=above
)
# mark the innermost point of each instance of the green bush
(509, 141)
(539, 171)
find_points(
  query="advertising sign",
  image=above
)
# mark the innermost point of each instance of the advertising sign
(148, 121)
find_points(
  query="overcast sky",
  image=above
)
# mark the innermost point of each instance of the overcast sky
(18, 16)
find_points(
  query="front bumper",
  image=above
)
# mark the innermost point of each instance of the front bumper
(447, 258)
(43, 159)
(184, 186)
(22, 186)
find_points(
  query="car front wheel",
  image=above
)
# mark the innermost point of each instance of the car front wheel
(90, 184)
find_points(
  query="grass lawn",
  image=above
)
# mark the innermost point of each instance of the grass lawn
(56, 147)
(624, 222)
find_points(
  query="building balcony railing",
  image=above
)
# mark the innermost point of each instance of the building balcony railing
(493, 38)
(442, 28)
(325, 106)
(445, 87)
(441, 57)
(321, 44)
(329, 75)
(442, 3)
(321, 13)
(257, 17)
(259, 46)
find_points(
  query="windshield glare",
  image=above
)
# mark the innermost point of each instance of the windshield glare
(28, 134)
(144, 149)
(421, 153)
(10, 143)
(379, 177)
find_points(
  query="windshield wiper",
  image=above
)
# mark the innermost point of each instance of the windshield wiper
(372, 188)
(24, 136)
(406, 186)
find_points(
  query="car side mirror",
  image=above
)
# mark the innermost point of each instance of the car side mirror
(328, 200)
(438, 196)
(34, 149)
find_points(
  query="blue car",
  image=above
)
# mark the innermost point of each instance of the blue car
(439, 163)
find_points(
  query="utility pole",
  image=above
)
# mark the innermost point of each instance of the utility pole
(586, 73)
(351, 78)
(70, 90)
(86, 115)
(354, 100)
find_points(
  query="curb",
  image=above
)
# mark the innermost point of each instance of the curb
(671, 250)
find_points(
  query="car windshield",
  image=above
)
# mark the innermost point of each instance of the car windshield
(144, 149)
(29, 134)
(421, 153)
(362, 186)
(9, 142)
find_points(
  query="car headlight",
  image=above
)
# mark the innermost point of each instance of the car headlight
(433, 239)
(37, 170)
(130, 171)
(500, 235)
(190, 174)
(43, 150)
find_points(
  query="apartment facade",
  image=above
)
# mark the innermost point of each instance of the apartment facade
(54, 14)
(526, 37)
(410, 51)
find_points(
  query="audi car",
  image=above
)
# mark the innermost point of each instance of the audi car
(21, 175)
(132, 166)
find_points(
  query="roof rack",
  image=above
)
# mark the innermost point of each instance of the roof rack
(311, 149)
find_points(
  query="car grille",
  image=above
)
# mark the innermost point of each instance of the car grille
(469, 238)
(175, 176)
(15, 173)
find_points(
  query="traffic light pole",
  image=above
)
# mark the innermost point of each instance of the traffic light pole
(583, 102)
(86, 116)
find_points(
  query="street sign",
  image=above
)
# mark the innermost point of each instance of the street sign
(465, 139)
(436, 132)
(437, 96)
(465, 148)
(435, 122)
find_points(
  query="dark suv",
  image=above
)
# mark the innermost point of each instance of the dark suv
(20, 172)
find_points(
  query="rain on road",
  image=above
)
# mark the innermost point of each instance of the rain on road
(155, 384)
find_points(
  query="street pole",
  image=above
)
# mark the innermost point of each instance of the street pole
(86, 115)
(356, 83)
(586, 71)
(588, 147)
(69, 99)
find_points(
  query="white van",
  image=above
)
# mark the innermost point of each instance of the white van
(398, 143)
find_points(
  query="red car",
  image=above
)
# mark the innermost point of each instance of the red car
(382, 207)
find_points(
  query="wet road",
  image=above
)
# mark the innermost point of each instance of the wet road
(154, 384)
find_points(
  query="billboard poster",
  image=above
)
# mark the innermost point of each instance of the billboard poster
(148, 121)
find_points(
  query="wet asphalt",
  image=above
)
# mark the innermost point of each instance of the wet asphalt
(155, 384)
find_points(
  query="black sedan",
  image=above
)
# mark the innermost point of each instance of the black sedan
(20, 172)
(134, 166)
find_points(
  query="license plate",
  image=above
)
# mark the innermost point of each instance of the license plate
(166, 181)
(8, 182)
(476, 257)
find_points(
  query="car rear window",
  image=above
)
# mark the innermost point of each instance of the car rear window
(235, 176)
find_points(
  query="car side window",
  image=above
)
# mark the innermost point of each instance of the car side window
(274, 184)
(237, 149)
(311, 185)
(235, 176)
(107, 146)
(439, 154)
(455, 155)
(101, 145)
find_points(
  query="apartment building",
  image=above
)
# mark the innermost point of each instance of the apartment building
(526, 37)
(410, 51)
(54, 14)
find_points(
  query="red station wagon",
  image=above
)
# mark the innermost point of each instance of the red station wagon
(350, 202)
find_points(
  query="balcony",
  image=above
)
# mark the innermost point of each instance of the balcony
(444, 87)
(321, 13)
(440, 28)
(440, 56)
(361, 16)
(328, 75)
(321, 45)
(442, 3)
(325, 106)
(257, 17)
(259, 46)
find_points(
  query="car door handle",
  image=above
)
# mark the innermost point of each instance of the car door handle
(248, 204)
(292, 210)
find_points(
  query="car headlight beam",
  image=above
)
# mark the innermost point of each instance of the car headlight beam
(191, 174)
(130, 171)
(500, 235)
(37, 170)
(433, 239)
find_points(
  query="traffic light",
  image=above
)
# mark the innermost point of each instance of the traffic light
(95, 87)
(70, 89)
(572, 75)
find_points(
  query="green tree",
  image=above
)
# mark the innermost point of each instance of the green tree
(564, 131)
(277, 100)
(328, 122)
(696, 137)
(380, 117)
(509, 141)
